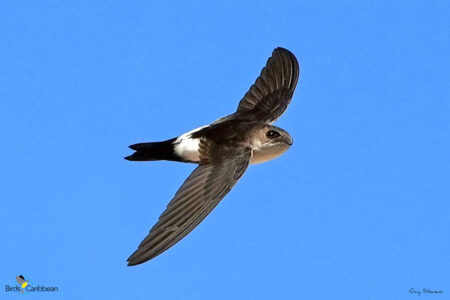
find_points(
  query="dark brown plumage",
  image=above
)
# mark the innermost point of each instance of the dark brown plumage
(225, 150)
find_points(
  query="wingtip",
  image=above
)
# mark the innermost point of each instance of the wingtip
(281, 49)
(130, 264)
(135, 259)
(131, 261)
(292, 57)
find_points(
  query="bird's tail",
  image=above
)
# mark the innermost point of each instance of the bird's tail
(153, 151)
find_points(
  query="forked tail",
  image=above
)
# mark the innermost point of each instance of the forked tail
(153, 151)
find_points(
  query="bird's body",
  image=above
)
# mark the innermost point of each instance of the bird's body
(223, 150)
(186, 147)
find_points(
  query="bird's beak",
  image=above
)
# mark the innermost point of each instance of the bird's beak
(289, 141)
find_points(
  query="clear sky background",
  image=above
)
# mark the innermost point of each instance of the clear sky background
(358, 208)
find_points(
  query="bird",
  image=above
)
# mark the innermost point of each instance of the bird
(223, 151)
(22, 282)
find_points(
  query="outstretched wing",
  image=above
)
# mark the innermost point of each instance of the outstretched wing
(20, 279)
(272, 91)
(217, 173)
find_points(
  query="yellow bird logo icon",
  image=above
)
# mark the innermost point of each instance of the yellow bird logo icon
(22, 282)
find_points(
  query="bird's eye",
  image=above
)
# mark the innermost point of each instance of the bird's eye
(272, 134)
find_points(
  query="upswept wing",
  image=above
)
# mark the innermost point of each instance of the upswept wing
(20, 279)
(272, 91)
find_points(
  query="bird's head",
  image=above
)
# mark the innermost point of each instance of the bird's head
(270, 142)
(275, 135)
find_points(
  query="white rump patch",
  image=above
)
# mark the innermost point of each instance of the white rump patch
(187, 147)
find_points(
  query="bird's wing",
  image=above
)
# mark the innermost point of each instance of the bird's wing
(220, 168)
(272, 91)
(20, 279)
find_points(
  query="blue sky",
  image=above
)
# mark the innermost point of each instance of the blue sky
(358, 208)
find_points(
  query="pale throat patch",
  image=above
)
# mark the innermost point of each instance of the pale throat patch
(264, 154)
